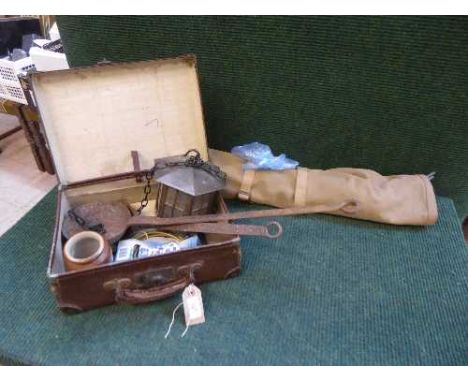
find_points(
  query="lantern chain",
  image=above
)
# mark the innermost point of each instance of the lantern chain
(99, 228)
(194, 160)
(198, 162)
(146, 191)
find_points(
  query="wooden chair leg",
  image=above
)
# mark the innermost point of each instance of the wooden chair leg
(10, 132)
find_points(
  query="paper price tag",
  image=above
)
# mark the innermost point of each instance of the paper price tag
(193, 306)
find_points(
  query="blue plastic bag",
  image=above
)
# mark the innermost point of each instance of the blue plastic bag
(260, 157)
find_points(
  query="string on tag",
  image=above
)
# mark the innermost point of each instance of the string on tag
(173, 320)
(185, 331)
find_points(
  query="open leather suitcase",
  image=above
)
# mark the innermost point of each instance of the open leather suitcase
(103, 124)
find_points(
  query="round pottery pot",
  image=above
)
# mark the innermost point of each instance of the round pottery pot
(85, 250)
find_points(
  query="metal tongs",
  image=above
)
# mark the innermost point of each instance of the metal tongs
(219, 223)
(271, 230)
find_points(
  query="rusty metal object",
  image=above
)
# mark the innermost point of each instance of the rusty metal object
(113, 217)
(271, 230)
(116, 218)
(350, 206)
(217, 223)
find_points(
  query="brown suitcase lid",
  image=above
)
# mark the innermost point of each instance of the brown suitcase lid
(95, 116)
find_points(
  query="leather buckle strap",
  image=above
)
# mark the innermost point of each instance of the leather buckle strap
(300, 193)
(246, 185)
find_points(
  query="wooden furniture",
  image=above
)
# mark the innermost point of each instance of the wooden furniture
(7, 107)
(29, 123)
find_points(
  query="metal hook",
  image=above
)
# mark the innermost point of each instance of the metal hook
(197, 153)
(276, 232)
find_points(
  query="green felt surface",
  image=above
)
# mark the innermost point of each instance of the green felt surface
(386, 93)
(330, 291)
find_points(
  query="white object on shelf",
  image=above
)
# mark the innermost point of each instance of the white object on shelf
(40, 42)
(45, 60)
(10, 86)
(54, 32)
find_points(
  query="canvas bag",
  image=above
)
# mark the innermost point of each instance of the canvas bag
(397, 199)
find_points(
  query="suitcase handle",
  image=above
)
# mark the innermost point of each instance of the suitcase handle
(142, 296)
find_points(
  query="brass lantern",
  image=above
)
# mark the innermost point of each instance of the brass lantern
(187, 187)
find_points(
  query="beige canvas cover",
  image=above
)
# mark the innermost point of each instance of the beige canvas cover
(397, 199)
